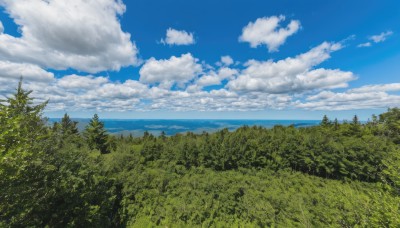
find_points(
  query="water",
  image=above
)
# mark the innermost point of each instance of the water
(172, 127)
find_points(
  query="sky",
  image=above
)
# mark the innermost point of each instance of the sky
(186, 59)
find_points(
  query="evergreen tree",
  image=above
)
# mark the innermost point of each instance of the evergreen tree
(24, 159)
(96, 135)
(355, 120)
(67, 131)
(391, 123)
(325, 121)
(336, 124)
(68, 127)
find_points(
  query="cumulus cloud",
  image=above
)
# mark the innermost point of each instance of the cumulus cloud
(81, 82)
(78, 93)
(376, 39)
(216, 78)
(1, 28)
(225, 61)
(167, 72)
(268, 31)
(27, 71)
(78, 34)
(292, 75)
(365, 97)
(178, 37)
(377, 88)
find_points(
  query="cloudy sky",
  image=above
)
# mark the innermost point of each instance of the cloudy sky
(204, 59)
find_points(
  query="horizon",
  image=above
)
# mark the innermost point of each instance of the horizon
(257, 60)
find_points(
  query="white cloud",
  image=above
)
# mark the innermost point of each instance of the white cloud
(268, 31)
(78, 34)
(27, 71)
(365, 97)
(127, 90)
(167, 72)
(81, 82)
(178, 37)
(208, 80)
(381, 37)
(227, 60)
(377, 88)
(1, 28)
(376, 39)
(292, 75)
(367, 44)
(216, 78)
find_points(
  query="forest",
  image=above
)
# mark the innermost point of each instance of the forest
(337, 174)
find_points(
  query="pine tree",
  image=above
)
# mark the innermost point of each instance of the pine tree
(96, 135)
(355, 126)
(325, 121)
(355, 120)
(25, 166)
(68, 127)
(336, 124)
(20, 121)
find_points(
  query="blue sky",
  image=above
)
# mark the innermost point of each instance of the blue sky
(204, 59)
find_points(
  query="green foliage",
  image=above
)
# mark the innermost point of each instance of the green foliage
(68, 127)
(325, 121)
(332, 175)
(391, 123)
(25, 146)
(44, 182)
(97, 137)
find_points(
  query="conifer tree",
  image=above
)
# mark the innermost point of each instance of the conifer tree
(68, 127)
(325, 121)
(96, 135)
(24, 157)
(391, 123)
(336, 123)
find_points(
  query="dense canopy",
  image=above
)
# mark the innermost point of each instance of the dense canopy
(336, 174)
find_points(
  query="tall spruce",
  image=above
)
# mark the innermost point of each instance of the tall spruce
(25, 150)
(96, 135)
(68, 127)
(325, 121)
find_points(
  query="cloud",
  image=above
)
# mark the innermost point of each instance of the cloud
(365, 97)
(381, 37)
(226, 60)
(27, 71)
(176, 37)
(83, 35)
(81, 82)
(167, 72)
(82, 93)
(367, 44)
(268, 31)
(1, 28)
(377, 88)
(376, 39)
(216, 78)
(292, 75)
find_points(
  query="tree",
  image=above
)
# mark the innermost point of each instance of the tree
(325, 121)
(67, 131)
(68, 127)
(25, 162)
(355, 126)
(336, 124)
(355, 120)
(391, 124)
(96, 135)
